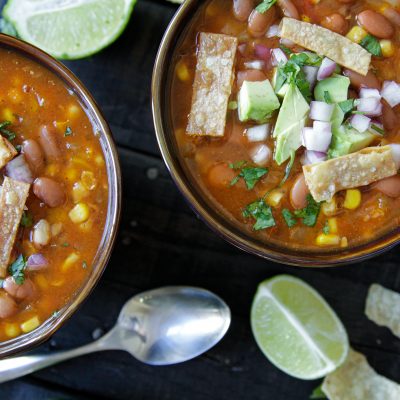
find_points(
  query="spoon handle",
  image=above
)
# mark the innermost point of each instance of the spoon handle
(15, 367)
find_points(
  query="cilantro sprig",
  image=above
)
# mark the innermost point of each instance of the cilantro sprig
(17, 269)
(289, 218)
(251, 175)
(26, 220)
(310, 213)
(265, 5)
(262, 213)
(372, 45)
(6, 132)
(318, 393)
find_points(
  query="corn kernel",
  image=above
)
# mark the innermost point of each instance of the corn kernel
(344, 242)
(73, 111)
(56, 229)
(332, 224)
(41, 281)
(30, 324)
(8, 115)
(52, 169)
(81, 162)
(387, 48)
(357, 34)
(275, 197)
(329, 207)
(327, 240)
(79, 192)
(12, 330)
(71, 174)
(352, 199)
(182, 71)
(99, 160)
(305, 18)
(80, 213)
(88, 180)
(72, 259)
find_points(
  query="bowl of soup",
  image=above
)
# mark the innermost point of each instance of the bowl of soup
(60, 195)
(279, 123)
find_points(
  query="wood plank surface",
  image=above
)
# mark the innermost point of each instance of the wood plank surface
(161, 242)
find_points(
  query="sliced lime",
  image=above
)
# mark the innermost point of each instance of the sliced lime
(296, 328)
(69, 29)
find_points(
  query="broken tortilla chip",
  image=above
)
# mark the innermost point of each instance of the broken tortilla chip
(383, 308)
(327, 43)
(356, 380)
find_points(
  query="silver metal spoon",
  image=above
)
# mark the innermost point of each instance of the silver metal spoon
(159, 327)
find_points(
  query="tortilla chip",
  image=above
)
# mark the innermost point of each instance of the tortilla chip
(7, 151)
(356, 380)
(383, 307)
(325, 42)
(212, 84)
(368, 165)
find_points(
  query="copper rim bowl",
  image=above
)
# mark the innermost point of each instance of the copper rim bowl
(161, 87)
(45, 330)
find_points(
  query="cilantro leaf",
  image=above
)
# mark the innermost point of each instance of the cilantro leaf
(17, 269)
(310, 213)
(347, 105)
(5, 132)
(289, 218)
(237, 164)
(285, 49)
(265, 6)
(68, 131)
(26, 220)
(327, 97)
(377, 129)
(262, 213)
(251, 175)
(326, 228)
(372, 45)
(288, 168)
(318, 393)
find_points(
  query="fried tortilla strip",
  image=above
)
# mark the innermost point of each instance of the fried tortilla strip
(325, 42)
(212, 84)
(356, 380)
(7, 151)
(368, 165)
(12, 202)
(383, 307)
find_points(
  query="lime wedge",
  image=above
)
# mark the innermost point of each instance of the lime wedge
(69, 29)
(296, 329)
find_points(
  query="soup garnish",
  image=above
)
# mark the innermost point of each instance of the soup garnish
(292, 127)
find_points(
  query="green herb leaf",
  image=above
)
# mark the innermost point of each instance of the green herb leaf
(18, 147)
(327, 97)
(285, 49)
(26, 220)
(5, 132)
(84, 264)
(251, 175)
(318, 393)
(310, 213)
(17, 269)
(326, 228)
(378, 129)
(347, 105)
(262, 213)
(289, 218)
(68, 131)
(372, 45)
(288, 168)
(65, 244)
(265, 6)
(237, 164)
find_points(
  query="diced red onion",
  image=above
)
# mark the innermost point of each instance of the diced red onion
(19, 170)
(37, 262)
(287, 42)
(258, 133)
(261, 154)
(255, 64)
(242, 48)
(316, 141)
(311, 74)
(391, 93)
(366, 93)
(262, 52)
(360, 122)
(321, 126)
(312, 157)
(321, 111)
(278, 57)
(273, 31)
(326, 69)
(370, 106)
(396, 154)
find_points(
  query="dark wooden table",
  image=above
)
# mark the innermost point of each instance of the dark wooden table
(161, 242)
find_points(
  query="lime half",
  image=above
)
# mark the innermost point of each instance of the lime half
(69, 29)
(296, 328)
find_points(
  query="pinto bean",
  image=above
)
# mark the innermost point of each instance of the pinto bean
(288, 9)
(299, 192)
(8, 307)
(19, 292)
(376, 24)
(221, 175)
(259, 23)
(34, 155)
(335, 22)
(358, 81)
(49, 191)
(252, 75)
(49, 142)
(389, 118)
(242, 9)
(389, 186)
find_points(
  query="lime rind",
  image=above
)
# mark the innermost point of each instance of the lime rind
(286, 341)
(70, 29)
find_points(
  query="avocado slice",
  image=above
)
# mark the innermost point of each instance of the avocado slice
(337, 86)
(256, 101)
(291, 120)
(283, 90)
(347, 140)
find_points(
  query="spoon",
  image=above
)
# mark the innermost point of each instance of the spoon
(159, 327)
